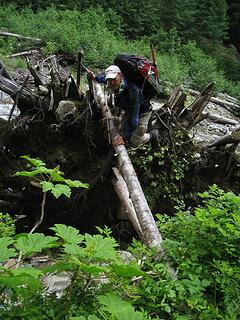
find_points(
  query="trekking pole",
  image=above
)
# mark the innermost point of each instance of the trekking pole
(153, 59)
(79, 67)
(84, 67)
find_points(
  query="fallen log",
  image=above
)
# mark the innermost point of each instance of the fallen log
(232, 137)
(151, 235)
(123, 194)
(222, 120)
(227, 102)
(19, 36)
(38, 79)
(27, 99)
(23, 54)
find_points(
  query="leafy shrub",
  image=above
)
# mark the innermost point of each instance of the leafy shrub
(204, 247)
(161, 172)
(165, 41)
(7, 225)
(93, 267)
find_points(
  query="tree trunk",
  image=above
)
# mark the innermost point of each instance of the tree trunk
(123, 194)
(151, 235)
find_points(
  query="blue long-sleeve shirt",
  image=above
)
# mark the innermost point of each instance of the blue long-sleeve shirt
(131, 99)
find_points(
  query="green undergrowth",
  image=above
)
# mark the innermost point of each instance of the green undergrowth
(91, 30)
(162, 172)
(7, 225)
(202, 246)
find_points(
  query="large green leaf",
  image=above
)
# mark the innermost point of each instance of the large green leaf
(127, 270)
(118, 307)
(58, 171)
(35, 243)
(58, 267)
(74, 250)
(22, 277)
(43, 170)
(100, 248)
(92, 269)
(34, 162)
(46, 186)
(21, 281)
(36, 171)
(27, 173)
(5, 252)
(76, 184)
(27, 271)
(68, 234)
(60, 189)
(57, 177)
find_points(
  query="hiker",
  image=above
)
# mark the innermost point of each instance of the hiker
(130, 98)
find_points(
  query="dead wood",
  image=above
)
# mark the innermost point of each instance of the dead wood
(233, 137)
(219, 119)
(172, 98)
(178, 107)
(225, 101)
(4, 72)
(19, 36)
(23, 53)
(61, 141)
(193, 114)
(185, 117)
(38, 79)
(151, 235)
(123, 194)
(16, 99)
(27, 99)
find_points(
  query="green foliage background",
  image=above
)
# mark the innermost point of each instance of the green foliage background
(183, 36)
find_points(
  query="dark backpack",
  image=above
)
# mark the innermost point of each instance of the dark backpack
(138, 70)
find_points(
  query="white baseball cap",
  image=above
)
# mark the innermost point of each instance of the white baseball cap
(111, 72)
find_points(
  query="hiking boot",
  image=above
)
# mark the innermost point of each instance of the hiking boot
(155, 138)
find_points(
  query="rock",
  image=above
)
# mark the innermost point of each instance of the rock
(209, 129)
(65, 108)
(56, 283)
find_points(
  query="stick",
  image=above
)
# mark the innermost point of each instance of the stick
(79, 67)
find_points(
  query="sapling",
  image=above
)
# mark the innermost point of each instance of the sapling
(48, 180)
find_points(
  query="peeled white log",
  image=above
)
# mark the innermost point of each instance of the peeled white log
(151, 235)
(23, 53)
(18, 36)
(123, 194)
(220, 119)
(150, 231)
